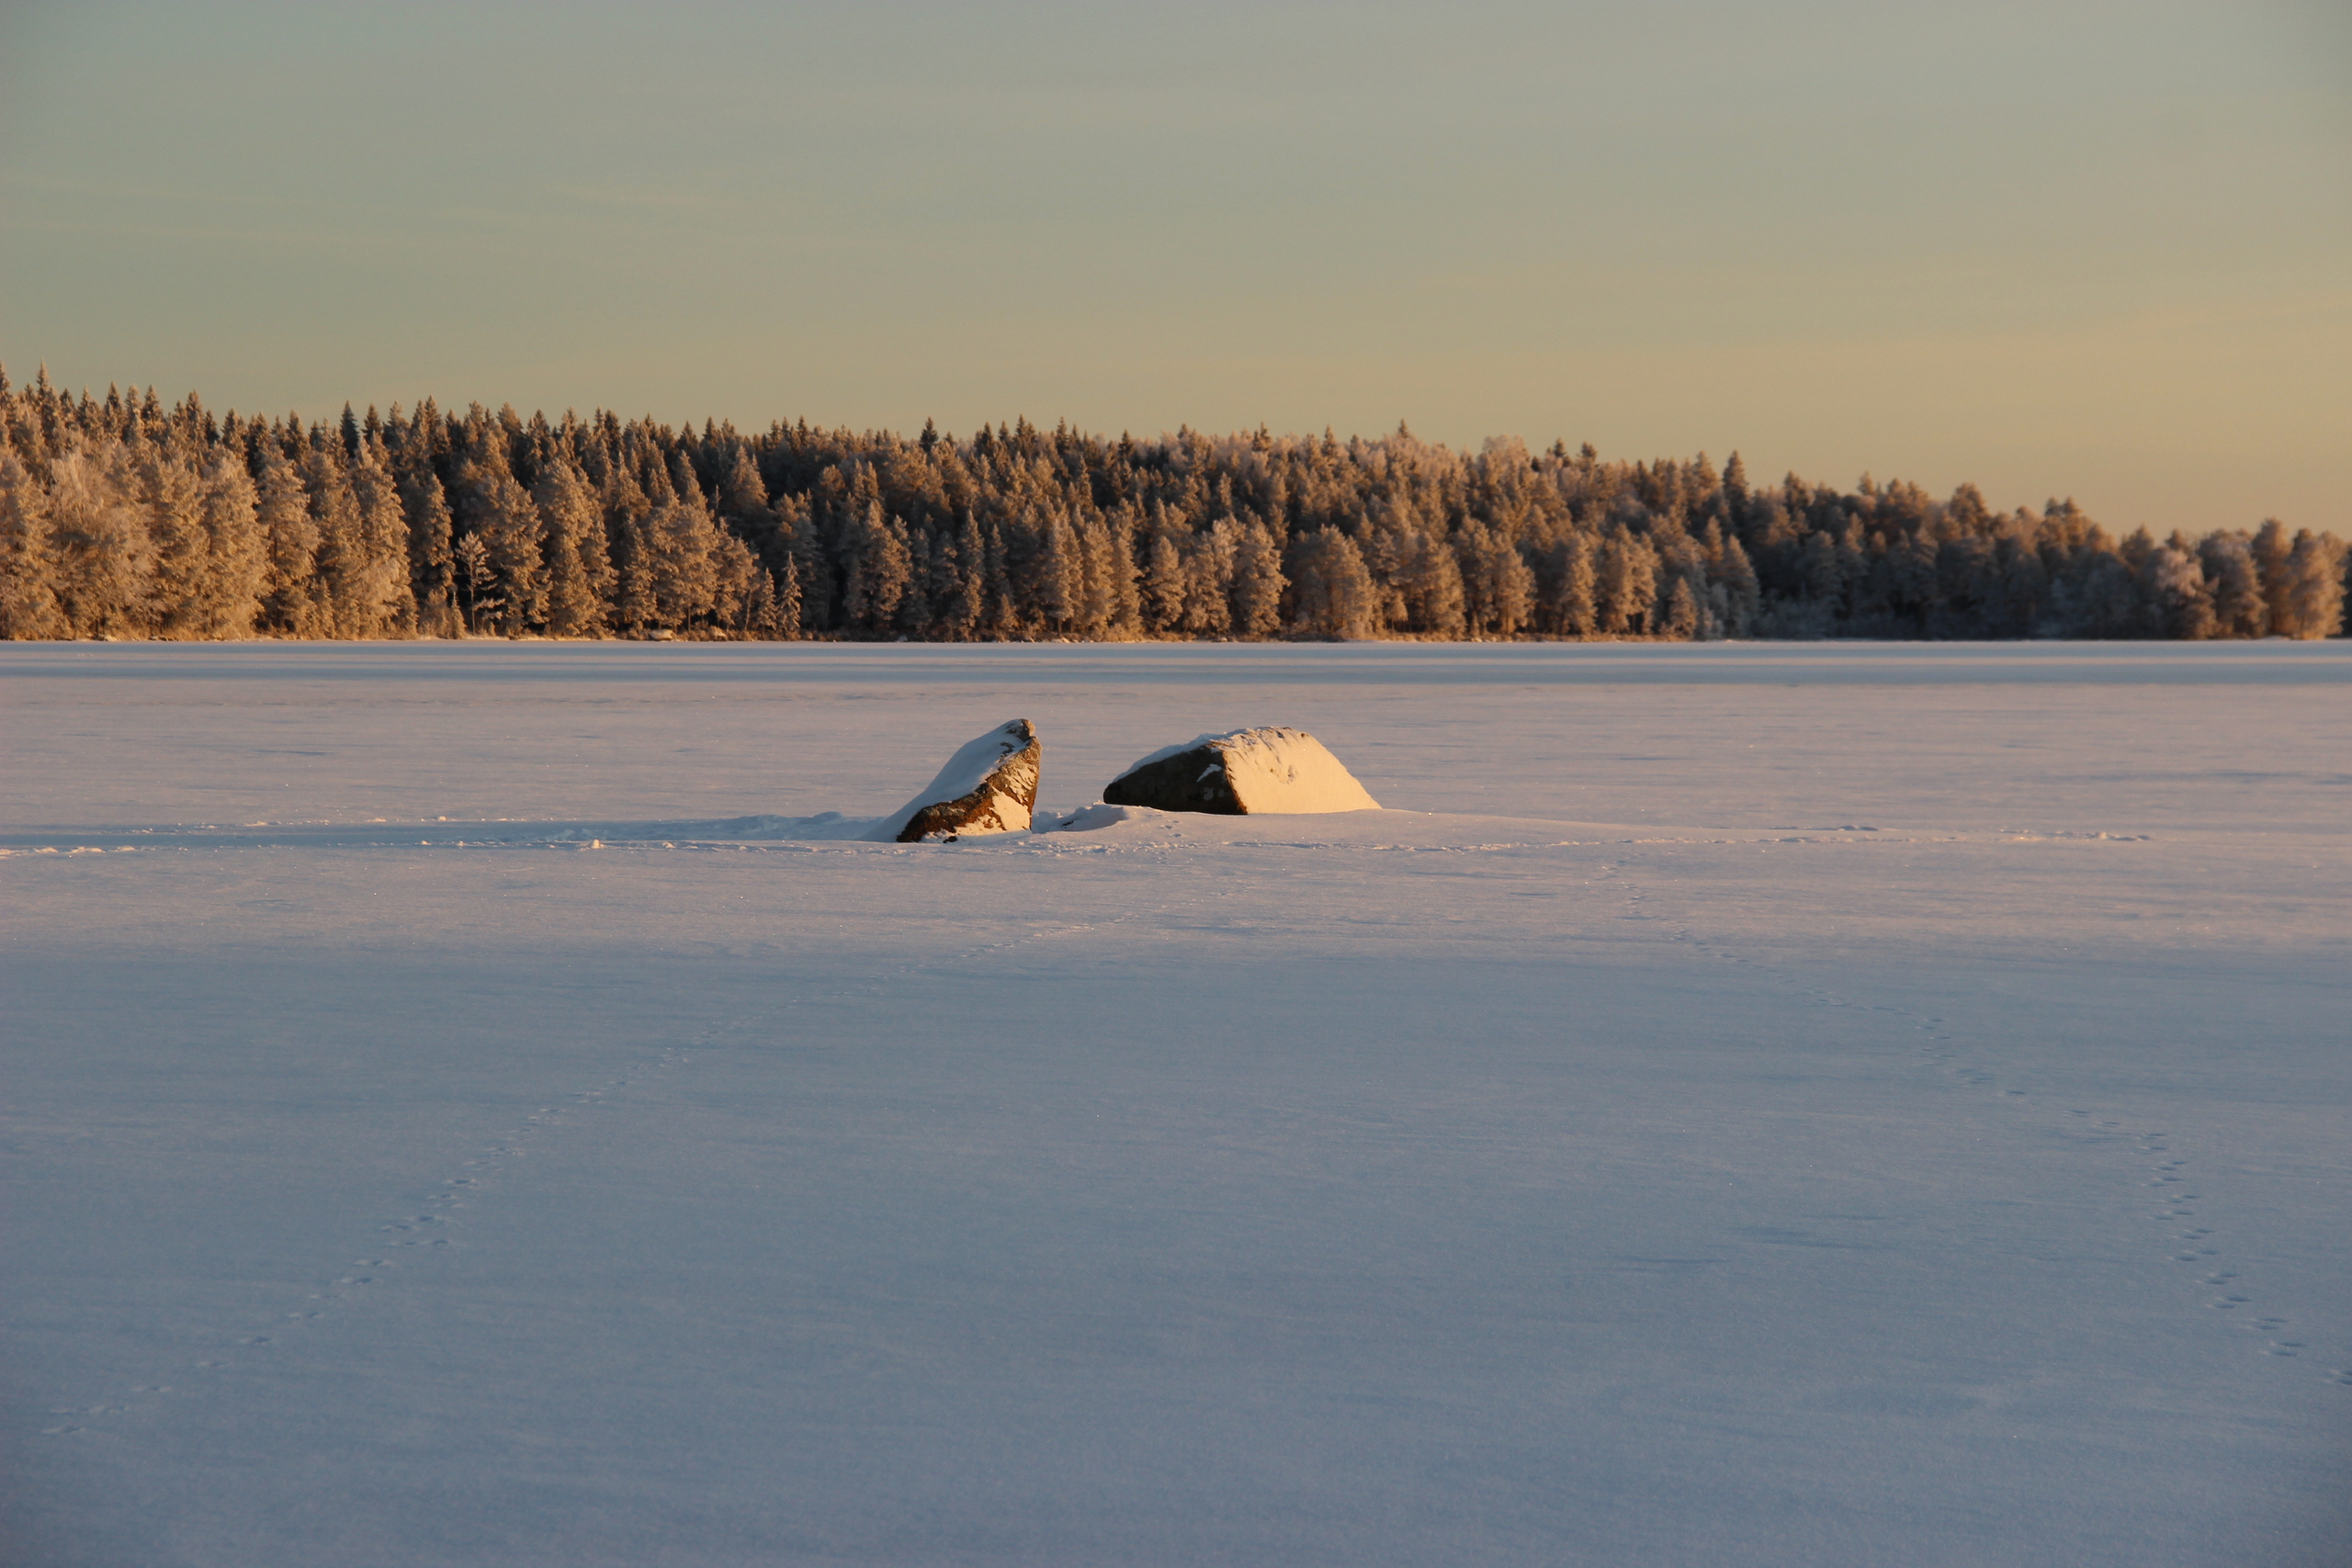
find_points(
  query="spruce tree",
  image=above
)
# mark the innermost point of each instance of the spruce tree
(680, 541)
(1164, 584)
(102, 557)
(1126, 597)
(1577, 604)
(788, 602)
(1436, 604)
(2311, 602)
(880, 568)
(1733, 579)
(342, 591)
(171, 494)
(943, 580)
(1208, 580)
(2174, 580)
(1331, 590)
(28, 606)
(2240, 606)
(1060, 577)
(492, 507)
(1680, 619)
(283, 514)
(381, 600)
(627, 517)
(1627, 590)
(477, 583)
(238, 547)
(2270, 548)
(579, 571)
(430, 528)
(1258, 583)
(738, 586)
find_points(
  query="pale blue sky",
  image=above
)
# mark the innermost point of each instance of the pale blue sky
(2097, 249)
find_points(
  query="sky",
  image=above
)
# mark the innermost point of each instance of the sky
(2086, 250)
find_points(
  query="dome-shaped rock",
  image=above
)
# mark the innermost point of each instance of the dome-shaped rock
(1247, 773)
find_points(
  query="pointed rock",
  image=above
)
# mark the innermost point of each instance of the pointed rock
(988, 786)
(1247, 773)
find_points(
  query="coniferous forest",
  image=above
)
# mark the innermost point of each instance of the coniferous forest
(122, 517)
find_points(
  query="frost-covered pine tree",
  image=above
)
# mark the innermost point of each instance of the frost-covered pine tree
(238, 551)
(1430, 577)
(1627, 593)
(629, 512)
(681, 542)
(289, 598)
(1208, 580)
(1127, 598)
(1164, 585)
(102, 557)
(2240, 607)
(880, 568)
(959, 565)
(1575, 602)
(743, 500)
(1258, 583)
(2270, 548)
(2174, 580)
(28, 606)
(1680, 618)
(171, 494)
(788, 602)
(1737, 595)
(1059, 591)
(1331, 591)
(579, 571)
(738, 587)
(1499, 587)
(431, 531)
(1098, 595)
(2311, 602)
(381, 602)
(361, 585)
(492, 507)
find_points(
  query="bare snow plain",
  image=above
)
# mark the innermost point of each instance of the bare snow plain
(1744, 1105)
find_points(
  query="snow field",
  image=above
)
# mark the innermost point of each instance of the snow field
(1746, 1107)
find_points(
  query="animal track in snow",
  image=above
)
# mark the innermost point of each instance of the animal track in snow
(441, 1211)
(2167, 1179)
(436, 1220)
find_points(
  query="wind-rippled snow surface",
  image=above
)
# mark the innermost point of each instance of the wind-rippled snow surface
(1794, 1105)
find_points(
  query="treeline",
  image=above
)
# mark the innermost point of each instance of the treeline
(122, 517)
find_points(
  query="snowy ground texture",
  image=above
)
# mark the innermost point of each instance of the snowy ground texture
(1748, 1106)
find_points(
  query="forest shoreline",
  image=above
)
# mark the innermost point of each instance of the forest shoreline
(121, 518)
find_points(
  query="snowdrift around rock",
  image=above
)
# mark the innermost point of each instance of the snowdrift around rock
(1094, 819)
(989, 785)
(1246, 773)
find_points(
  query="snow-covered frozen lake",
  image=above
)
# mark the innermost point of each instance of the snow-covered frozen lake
(1807, 1105)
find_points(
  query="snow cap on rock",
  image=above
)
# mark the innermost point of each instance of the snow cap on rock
(1246, 773)
(988, 786)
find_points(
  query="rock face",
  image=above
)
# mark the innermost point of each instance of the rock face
(988, 786)
(1246, 774)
